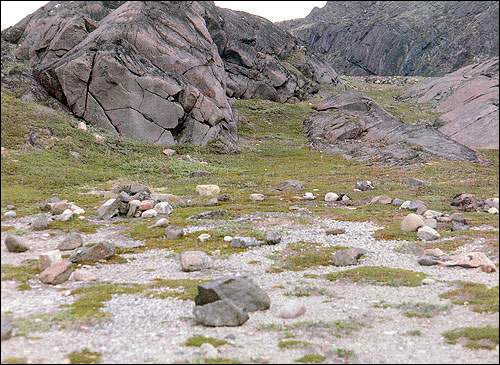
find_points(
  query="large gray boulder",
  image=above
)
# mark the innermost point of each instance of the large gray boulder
(241, 291)
(400, 37)
(352, 124)
(222, 313)
(96, 252)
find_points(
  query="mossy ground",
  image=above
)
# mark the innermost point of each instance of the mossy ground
(311, 359)
(474, 337)
(378, 275)
(479, 297)
(22, 274)
(84, 357)
(197, 341)
(292, 344)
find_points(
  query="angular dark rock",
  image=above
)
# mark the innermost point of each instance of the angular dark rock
(221, 313)
(96, 252)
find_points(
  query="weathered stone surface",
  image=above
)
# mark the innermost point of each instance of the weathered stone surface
(163, 208)
(242, 291)
(365, 185)
(57, 273)
(331, 197)
(221, 313)
(466, 202)
(381, 199)
(49, 258)
(150, 213)
(273, 238)
(40, 222)
(412, 222)
(245, 242)
(467, 101)
(290, 186)
(291, 309)
(399, 38)
(257, 197)
(109, 209)
(353, 124)
(208, 190)
(427, 233)
(15, 244)
(194, 261)
(174, 233)
(96, 252)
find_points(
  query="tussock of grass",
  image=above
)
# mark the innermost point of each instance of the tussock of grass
(474, 337)
(302, 256)
(378, 275)
(84, 357)
(22, 273)
(479, 297)
(197, 341)
(292, 344)
(311, 359)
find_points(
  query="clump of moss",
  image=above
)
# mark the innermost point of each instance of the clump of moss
(302, 256)
(378, 275)
(311, 359)
(292, 344)
(197, 341)
(14, 360)
(22, 273)
(413, 333)
(478, 296)
(474, 337)
(345, 353)
(84, 357)
(415, 310)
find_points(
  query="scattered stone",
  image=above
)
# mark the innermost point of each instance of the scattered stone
(76, 209)
(174, 233)
(59, 207)
(412, 222)
(222, 313)
(40, 222)
(397, 202)
(432, 214)
(290, 186)
(99, 139)
(82, 126)
(133, 208)
(147, 205)
(415, 205)
(162, 222)
(416, 183)
(459, 226)
(150, 213)
(471, 260)
(10, 207)
(194, 261)
(291, 309)
(241, 291)
(109, 209)
(488, 203)
(57, 273)
(169, 152)
(331, 197)
(493, 210)
(208, 190)
(381, 199)
(431, 222)
(96, 252)
(3, 151)
(82, 275)
(257, 197)
(335, 231)
(427, 261)
(228, 239)
(426, 233)
(213, 201)
(71, 242)
(7, 326)
(364, 185)
(465, 202)
(244, 242)
(48, 259)
(213, 214)
(458, 217)
(208, 351)
(15, 244)
(444, 219)
(224, 198)
(273, 238)
(65, 216)
(345, 198)
(204, 237)
(11, 214)
(347, 257)
(309, 196)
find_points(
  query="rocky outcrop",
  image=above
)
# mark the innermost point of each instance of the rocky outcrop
(468, 100)
(163, 71)
(261, 59)
(400, 37)
(354, 125)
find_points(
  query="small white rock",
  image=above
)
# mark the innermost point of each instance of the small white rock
(169, 152)
(428, 234)
(99, 139)
(257, 197)
(82, 126)
(309, 196)
(331, 197)
(428, 281)
(493, 210)
(150, 213)
(204, 237)
(10, 214)
(208, 190)
(291, 310)
(49, 258)
(163, 208)
(228, 239)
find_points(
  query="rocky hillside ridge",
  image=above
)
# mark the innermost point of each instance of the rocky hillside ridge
(428, 38)
(355, 125)
(152, 70)
(468, 100)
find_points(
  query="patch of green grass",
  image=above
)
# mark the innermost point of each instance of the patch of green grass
(416, 310)
(197, 341)
(302, 256)
(8, 228)
(306, 291)
(292, 344)
(378, 275)
(311, 359)
(14, 360)
(73, 225)
(478, 296)
(345, 353)
(337, 328)
(413, 333)
(84, 357)
(474, 337)
(22, 273)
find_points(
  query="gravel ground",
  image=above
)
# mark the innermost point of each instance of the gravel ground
(149, 330)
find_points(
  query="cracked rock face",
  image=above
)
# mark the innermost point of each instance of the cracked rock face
(400, 37)
(354, 125)
(468, 100)
(161, 71)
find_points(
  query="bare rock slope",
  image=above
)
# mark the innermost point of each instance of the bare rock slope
(354, 125)
(154, 71)
(468, 100)
(429, 38)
